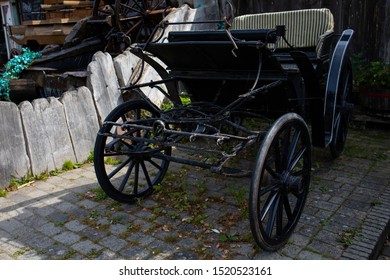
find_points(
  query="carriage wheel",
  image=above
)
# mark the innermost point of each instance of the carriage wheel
(342, 112)
(137, 19)
(280, 182)
(126, 166)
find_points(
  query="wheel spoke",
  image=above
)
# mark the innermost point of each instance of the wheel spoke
(298, 173)
(155, 164)
(119, 167)
(293, 147)
(287, 207)
(138, 116)
(297, 158)
(139, 10)
(128, 19)
(271, 172)
(131, 9)
(126, 177)
(267, 205)
(136, 178)
(279, 216)
(285, 147)
(146, 173)
(273, 215)
(277, 157)
(134, 27)
(337, 129)
(158, 4)
(268, 188)
(111, 154)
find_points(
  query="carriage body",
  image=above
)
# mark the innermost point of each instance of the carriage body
(288, 71)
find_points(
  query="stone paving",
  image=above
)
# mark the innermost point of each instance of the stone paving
(201, 215)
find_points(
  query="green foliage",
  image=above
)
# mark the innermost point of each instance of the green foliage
(239, 194)
(372, 74)
(99, 194)
(17, 182)
(168, 105)
(3, 193)
(185, 99)
(13, 69)
(90, 157)
(375, 202)
(112, 161)
(324, 188)
(228, 238)
(54, 172)
(347, 236)
(68, 165)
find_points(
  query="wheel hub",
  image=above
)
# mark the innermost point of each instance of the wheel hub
(291, 183)
(141, 152)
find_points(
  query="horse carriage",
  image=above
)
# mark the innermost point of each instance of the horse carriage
(273, 83)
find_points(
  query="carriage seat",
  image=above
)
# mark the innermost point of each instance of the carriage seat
(305, 28)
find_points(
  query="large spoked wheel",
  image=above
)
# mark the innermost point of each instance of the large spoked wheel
(130, 21)
(137, 19)
(342, 112)
(128, 164)
(280, 182)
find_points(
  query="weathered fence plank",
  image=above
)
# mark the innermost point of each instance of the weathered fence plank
(125, 64)
(14, 160)
(48, 140)
(82, 121)
(103, 84)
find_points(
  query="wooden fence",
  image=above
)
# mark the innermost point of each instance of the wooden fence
(369, 18)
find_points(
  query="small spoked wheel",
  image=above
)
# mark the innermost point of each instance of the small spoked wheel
(128, 163)
(280, 182)
(342, 111)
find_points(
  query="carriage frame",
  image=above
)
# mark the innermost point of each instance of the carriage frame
(245, 93)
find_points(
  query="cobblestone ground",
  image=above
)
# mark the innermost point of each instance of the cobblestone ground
(200, 215)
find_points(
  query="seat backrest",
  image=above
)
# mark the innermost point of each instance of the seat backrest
(305, 28)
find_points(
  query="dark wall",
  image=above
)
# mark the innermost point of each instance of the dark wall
(369, 18)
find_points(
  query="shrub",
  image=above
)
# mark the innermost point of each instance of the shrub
(371, 74)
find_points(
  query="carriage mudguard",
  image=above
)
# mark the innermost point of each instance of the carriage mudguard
(339, 58)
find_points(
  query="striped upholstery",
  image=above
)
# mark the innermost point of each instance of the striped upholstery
(305, 28)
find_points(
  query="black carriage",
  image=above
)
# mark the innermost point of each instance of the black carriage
(274, 83)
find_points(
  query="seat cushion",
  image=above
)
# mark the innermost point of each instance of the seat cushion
(305, 28)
